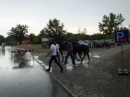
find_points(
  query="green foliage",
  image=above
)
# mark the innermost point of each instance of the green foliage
(97, 36)
(110, 23)
(125, 28)
(81, 35)
(54, 30)
(19, 32)
(78, 36)
(10, 39)
(31, 36)
(35, 40)
(42, 32)
(2, 39)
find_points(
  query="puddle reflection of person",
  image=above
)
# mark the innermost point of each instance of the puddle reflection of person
(53, 56)
(3, 51)
(3, 46)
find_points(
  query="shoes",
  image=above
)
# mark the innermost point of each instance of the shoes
(48, 70)
(61, 70)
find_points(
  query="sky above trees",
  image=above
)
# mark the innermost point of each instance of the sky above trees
(72, 13)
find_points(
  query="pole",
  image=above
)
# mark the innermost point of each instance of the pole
(122, 58)
(122, 71)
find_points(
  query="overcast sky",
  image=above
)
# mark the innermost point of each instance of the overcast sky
(72, 13)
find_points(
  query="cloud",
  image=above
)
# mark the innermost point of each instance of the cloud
(6, 24)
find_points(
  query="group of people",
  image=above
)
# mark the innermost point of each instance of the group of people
(54, 51)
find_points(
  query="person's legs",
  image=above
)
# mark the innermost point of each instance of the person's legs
(58, 57)
(58, 64)
(73, 61)
(50, 61)
(66, 57)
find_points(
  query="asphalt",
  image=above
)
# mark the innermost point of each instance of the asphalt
(22, 76)
(99, 78)
(69, 91)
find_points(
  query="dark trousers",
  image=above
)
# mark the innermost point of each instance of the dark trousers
(58, 57)
(54, 58)
(71, 55)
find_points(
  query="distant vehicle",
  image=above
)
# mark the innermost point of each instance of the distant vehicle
(82, 42)
(106, 43)
(87, 42)
(97, 43)
(45, 42)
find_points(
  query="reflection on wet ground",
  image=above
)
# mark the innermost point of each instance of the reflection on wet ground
(2, 51)
(22, 61)
(22, 76)
(28, 61)
(69, 66)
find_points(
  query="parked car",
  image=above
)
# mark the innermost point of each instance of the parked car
(82, 42)
(97, 43)
(86, 42)
(106, 43)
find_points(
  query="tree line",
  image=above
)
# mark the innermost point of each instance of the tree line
(55, 29)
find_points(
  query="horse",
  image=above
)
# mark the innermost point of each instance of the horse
(77, 48)
(85, 50)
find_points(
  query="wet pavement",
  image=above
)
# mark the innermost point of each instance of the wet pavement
(99, 78)
(23, 76)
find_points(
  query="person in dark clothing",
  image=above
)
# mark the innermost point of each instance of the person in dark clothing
(69, 49)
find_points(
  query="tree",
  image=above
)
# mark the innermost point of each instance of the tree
(125, 28)
(82, 32)
(55, 30)
(42, 32)
(31, 37)
(2, 39)
(97, 36)
(35, 39)
(110, 23)
(10, 39)
(19, 32)
(81, 35)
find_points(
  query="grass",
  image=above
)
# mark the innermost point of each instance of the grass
(38, 48)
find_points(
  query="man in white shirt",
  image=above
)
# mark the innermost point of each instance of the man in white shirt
(53, 57)
(57, 50)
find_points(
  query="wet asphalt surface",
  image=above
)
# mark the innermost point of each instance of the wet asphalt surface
(24, 77)
(99, 78)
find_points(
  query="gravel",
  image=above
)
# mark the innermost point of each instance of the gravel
(99, 78)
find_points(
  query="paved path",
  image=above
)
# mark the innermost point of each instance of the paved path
(24, 77)
(99, 78)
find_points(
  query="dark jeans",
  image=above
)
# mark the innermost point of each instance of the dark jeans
(71, 55)
(58, 57)
(54, 58)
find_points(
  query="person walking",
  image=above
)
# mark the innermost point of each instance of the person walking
(57, 50)
(53, 57)
(69, 49)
